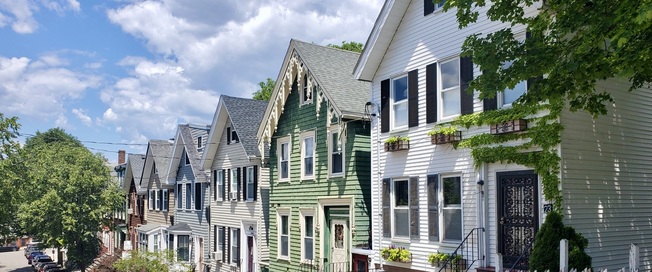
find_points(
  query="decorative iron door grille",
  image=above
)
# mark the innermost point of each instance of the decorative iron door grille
(518, 217)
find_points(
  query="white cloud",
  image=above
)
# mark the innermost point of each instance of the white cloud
(81, 114)
(62, 121)
(20, 13)
(38, 89)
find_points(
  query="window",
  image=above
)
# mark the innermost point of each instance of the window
(508, 96)
(199, 142)
(234, 137)
(199, 201)
(219, 189)
(188, 196)
(401, 208)
(450, 88)
(305, 94)
(336, 150)
(151, 199)
(159, 198)
(429, 7)
(284, 234)
(183, 248)
(399, 102)
(308, 155)
(235, 189)
(235, 246)
(220, 239)
(284, 159)
(179, 196)
(251, 175)
(452, 208)
(166, 200)
(187, 159)
(142, 240)
(156, 242)
(307, 237)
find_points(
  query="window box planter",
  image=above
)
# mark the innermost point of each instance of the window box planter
(396, 254)
(445, 138)
(448, 262)
(511, 126)
(396, 143)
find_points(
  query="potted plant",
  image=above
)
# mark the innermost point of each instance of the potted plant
(396, 254)
(438, 259)
(455, 262)
(444, 134)
(396, 143)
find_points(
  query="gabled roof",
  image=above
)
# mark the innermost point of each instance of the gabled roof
(135, 163)
(180, 227)
(158, 155)
(184, 141)
(380, 38)
(330, 69)
(245, 115)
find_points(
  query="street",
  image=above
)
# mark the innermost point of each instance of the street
(14, 261)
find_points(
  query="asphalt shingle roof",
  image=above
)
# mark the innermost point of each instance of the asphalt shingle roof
(246, 116)
(332, 68)
(193, 154)
(180, 227)
(137, 162)
(161, 152)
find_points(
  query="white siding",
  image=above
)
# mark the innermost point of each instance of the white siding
(606, 168)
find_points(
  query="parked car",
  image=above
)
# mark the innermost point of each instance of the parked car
(34, 254)
(34, 246)
(56, 269)
(40, 259)
(8, 248)
(43, 266)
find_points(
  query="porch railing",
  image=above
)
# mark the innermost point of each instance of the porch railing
(470, 251)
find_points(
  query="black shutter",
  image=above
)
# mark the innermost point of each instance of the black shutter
(223, 245)
(531, 82)
(490, 103)
(227, 184)
(214, 238)
(413, 98)
(215, 185)
(255, 183)
(466, 75)
(387, 219)
(428, 7)
(431, 93)
(237, 254)
(239, 183)
(244, 182)
(223, 184)
(384, 105)
(228, 135)
(414, 207)
(433, 210)
(228, 245)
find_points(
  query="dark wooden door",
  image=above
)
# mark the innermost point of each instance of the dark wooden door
(518, 216)
(250, 253)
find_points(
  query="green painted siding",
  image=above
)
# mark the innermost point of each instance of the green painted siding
(301, 194)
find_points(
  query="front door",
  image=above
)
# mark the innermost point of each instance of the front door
(518, 217)
(201, 255)
(250, 254)
(339, 245)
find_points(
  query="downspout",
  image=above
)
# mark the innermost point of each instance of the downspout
(483, 213)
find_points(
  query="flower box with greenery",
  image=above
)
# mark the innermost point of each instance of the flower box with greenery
(515, 125)
(396, 143)
(444, 134)
(396, 254)
(454, 263)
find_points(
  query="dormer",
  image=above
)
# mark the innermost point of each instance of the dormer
(231, 136)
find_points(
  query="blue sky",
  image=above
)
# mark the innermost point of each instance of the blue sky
(122, 72)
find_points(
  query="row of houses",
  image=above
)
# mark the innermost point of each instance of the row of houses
(304, 182)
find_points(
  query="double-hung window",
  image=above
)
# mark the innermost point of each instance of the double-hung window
(450, 88)
(452, 207)
(509, 95)
(283, 146)
(336, 152)
(251, 175)
(159, 198)
(166, 200)
(401, 208)
(307, 236)
(219, 189)
(221, 244)
(183, 248)
(283, 218)
(306, 96)
(399, 102)
(156, 243)
(199, 200)
(235, 246)
(152, 195)
(179, 196)
(188, 196)
(235, 190)
(308, 155)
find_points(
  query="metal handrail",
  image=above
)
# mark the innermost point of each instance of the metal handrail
(461, 246)
(521, 256)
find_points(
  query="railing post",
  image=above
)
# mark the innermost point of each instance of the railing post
(634, 260)
(499, 262)
(563, 255)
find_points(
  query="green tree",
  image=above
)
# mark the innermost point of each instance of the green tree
(545, 251)
(349, 46)
(10, 176)
(575, 44)
(149, 261)
(69, 195)
(266, 90)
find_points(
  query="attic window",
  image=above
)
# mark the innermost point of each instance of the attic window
(430, 6)
(231, 136)
(199, 142)
(187, 159)
(306, 95)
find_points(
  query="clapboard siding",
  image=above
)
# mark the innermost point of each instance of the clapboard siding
(159, 217)
(300, 194)
(605, 176)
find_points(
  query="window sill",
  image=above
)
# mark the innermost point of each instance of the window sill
(401, 240)
(398, 130)
(283, 258)
(336, 176)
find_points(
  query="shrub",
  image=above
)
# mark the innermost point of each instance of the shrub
(545, 252)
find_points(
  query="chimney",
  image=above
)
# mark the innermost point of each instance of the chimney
(121, 156)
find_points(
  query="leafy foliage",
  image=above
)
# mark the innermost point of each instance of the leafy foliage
(149, 261)
(349, 46)
(442, 129)
(545, 252)
(8, 132)
(396, 254)
(10, 176)
(266, 90)
(396, 139)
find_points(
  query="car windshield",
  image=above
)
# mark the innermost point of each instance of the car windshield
(37, 253)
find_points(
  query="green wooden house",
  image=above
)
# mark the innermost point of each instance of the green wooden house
(319, 158)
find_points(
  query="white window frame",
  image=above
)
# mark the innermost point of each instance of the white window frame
(304, 89)
(166, 200)
(199, 143)
(394, 103)
(441, 90)
(405, 208)
(177, 240)
(279, 144)
(201, 196)
(234, 246)
(442, 207)
(331, 149)
(151, 199)
(304, 213)
(439, 5)
(179, 196)
(234, 182)
(250, 182)
(220, 184)
(304, 136)
(279, 222)
(188, 197)
(501, 95)
(221, 243)
(156, 246)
